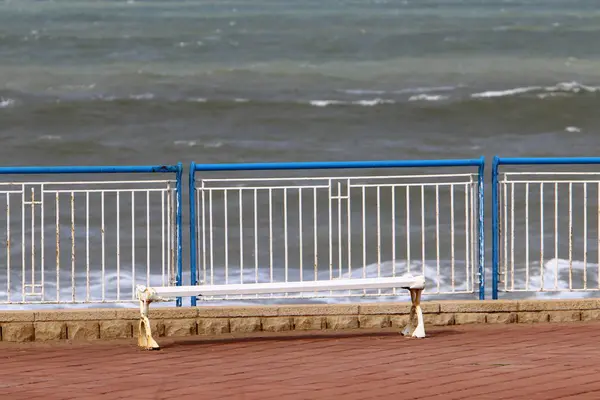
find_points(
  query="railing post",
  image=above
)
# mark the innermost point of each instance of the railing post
(495, 236)
(480, 187)
(193, 229)
(179, 230)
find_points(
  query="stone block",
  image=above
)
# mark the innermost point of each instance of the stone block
(76, 315)
(565, 316)
(18, 332)
(478, 306)
(532, 317)
(213, 326)
(400, 321)
(16, 316)
(469, 318)
(442, 319)
(276, 324)
(50, 331)
(83, 330)
(397, 308)
(590, 315)
(308, 323)
(233, 312)
(245, 325)
(374, 321)
(318, 309)
(157, 326)
(117, 329)
(339, 322)
(180, 327)
(559, 305)
(501, 318)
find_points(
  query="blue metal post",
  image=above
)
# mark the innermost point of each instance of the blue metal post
(480, 186)
(495, 236)
(179, 230)
(193, 230)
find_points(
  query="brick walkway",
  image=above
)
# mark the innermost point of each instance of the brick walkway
(545, 361)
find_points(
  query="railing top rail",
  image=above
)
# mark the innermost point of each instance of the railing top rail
(545, 160)
(338, 165)
(104, 169)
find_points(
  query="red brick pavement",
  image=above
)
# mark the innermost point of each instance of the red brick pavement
(545, 361)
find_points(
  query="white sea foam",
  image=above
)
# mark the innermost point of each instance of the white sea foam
(572, 129)
(367, 103)
(547, 91)
(188, 143)
(427, 97)
(50, 137)
(142, 96)
(507, 92)
(6, 102)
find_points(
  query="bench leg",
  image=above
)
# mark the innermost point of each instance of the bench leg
(145, 339)
(415, 330)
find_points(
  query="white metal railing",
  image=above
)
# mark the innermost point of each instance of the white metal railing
(549, 225)
(255, 230)
(86, 242)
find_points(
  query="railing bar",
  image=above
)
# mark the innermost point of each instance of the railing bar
(423, 230)
(87, 246)
(378, 232)
(8, 283)
(527, 236)
(147, 238)
(72, 246)
(270, 235)
(169, 235)
(315, 244)
(364, 235)
(505, 235)
(57, 209)
(210, 231)
(285, 233)
(437, 235)
(103, 232)
(598, 234)
(348, 217)
(585, 255)
(512, 236)
(255, 236)
(542, 236)
(408, 260)
(226, 234)
(555, 236)
(32, 239)
(330, 232)
(467, 264)
(42, 244)
(133, 245)
(452, 251)
(118, 216)
(570, 235)
(300, 233)
(204, 265)
(241, 209)
(339, 220)
(327, 178)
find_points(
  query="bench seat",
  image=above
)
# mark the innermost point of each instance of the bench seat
(415, 284)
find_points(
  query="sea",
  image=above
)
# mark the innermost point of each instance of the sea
(85, 82)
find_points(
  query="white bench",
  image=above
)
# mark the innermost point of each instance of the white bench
(415, 284)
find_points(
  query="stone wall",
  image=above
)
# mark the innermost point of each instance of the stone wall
(24, 326)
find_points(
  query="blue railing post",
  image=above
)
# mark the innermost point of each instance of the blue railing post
(179, 230)
(495, 236)
(193, 230)
(481, 241)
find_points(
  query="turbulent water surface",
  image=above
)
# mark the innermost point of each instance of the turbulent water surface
(154, 82)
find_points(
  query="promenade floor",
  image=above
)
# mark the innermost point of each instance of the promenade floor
(542, 361)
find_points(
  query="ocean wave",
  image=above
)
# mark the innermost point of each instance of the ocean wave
(559, 88)
(427, 97)
(6, 102)
(367, 103)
